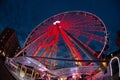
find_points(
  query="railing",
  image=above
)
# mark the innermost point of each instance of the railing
(60, 66)
(58, 63)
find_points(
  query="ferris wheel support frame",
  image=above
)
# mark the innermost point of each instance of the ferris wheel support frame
(86, 51)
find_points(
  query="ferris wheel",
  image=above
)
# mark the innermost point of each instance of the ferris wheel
(54, 36)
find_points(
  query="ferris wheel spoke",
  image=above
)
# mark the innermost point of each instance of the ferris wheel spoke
(28, 44)
(51, 39)
(48, 51)
(88, 42)
(40, 46)
(85, 45)
(85, 21)
(93, 51)
(63, 17)
(93, 29)
(44, 52)
(36, 51)
(37, 36)
(92, 37)
(88, 28)
(71, 46)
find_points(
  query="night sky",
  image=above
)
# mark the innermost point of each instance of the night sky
(24, 15)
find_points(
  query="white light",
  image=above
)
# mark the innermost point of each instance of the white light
(41, 69)
(56, 22)
(22, 74)
(40, 65)
(28, 62)
(74, 69)
(74, 76)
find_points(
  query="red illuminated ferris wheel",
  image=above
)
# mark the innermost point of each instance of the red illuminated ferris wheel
(74, 34)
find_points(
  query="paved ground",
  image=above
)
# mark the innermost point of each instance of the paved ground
(4, 73)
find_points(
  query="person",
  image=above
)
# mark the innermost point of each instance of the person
(70, 78)
(45, 77)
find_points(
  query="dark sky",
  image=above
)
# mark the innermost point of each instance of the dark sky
(25, 15)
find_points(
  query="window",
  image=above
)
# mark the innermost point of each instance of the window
(1, 40)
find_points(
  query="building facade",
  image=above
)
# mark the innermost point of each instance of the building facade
(9, 44)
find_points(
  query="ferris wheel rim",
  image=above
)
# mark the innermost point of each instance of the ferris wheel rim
(105, 31)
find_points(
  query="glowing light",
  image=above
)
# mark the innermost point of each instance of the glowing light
(74, 76)
(3, 53)
(28, 62)
(22, 73)
(41, 69)
(40, 65)
(104, 64)
(111, 55)
(74, 70)
(56, 22)
(62, 78)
